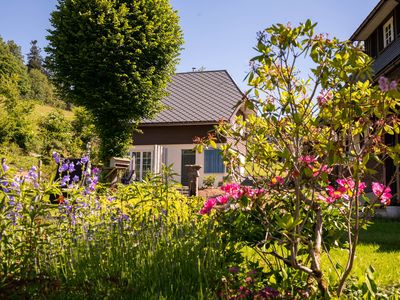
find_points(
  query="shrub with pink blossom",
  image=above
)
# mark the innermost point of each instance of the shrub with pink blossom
(309, 145)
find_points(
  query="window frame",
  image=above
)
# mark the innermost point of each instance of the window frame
(139, 175)
(388, 32)
(206, 171)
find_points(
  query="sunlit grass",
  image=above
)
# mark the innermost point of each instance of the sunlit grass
(42, 110)
(379, 247)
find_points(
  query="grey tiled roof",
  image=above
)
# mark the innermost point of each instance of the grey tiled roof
(197, 97)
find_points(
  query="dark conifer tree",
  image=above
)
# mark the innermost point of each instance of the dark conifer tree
(35, 60)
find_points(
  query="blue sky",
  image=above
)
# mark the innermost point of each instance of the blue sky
(219, 34)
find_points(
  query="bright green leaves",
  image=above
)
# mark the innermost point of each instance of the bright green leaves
(114, 58)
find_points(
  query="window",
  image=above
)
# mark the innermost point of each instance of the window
(142, 164)
(213, 161)
(388, 32)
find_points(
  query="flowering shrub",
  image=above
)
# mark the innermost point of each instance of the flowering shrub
(309, 144)
(96, 241)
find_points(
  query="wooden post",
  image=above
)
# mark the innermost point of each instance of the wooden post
(193, 176)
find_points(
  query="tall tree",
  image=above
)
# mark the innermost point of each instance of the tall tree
(114, 57)
(35, 60)
(12, 68)
(15, 50)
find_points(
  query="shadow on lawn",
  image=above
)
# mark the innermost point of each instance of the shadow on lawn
(384, 233)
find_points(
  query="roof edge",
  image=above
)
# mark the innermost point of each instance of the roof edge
(188, 123)
(382, 4)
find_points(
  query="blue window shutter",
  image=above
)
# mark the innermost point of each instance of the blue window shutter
(213, 161)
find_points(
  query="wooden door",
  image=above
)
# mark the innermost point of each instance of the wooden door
(188, 158)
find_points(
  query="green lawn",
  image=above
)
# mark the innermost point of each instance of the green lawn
(379, 246)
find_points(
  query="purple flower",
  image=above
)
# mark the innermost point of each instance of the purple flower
(84, 159)
(33, 173)
(64, 167)
(111, 199)
(4, 188)
(96, 170)
(124, 217)
(383, 84)
(393, 85)
(56, 157)
(15, 185)
(5, 167)
(71, 167)
(75, 178)
(65, 180)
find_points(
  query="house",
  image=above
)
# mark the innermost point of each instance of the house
(380, 33)
(197, 101)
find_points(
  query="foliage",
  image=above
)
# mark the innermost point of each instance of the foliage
(114, 58)
(56, 135)
(35, 60)
(15, 50)
(40, 88)
(310, 141)
(14, 124)
(84, 131)
(141, 241)
(209, 181)
(12, 67)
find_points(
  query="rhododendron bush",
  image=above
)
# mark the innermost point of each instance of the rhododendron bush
(310, 139)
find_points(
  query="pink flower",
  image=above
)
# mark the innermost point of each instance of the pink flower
(382, 192)
(346, 183)
(249, 192)
(260, 192)
(324, 97)
(207, 206)
(347, 186)
(326, 199)
(307, 159)
(222, 199)
(322, 169)
(233, 190)
(361, 187)
(334, 194)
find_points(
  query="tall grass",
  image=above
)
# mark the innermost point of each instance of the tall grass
(143, 241)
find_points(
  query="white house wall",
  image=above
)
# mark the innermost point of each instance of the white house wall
(173, 155)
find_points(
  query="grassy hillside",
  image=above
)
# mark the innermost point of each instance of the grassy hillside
(15, 157)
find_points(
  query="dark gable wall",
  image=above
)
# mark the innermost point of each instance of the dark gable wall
(374, 43)
(164, 135)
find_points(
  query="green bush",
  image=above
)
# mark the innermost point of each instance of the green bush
(208, 181)
(56, 135)
(141, 241)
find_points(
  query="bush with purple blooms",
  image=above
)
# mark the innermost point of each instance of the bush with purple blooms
(137, 241)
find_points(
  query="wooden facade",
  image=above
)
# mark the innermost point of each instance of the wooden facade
(386, 57)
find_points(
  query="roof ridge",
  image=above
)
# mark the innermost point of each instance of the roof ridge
(206, 71)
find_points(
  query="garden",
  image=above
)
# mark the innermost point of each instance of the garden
(304, 229)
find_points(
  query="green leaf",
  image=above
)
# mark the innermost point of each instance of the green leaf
(388, 129)
(212, 144)
(200, 148)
